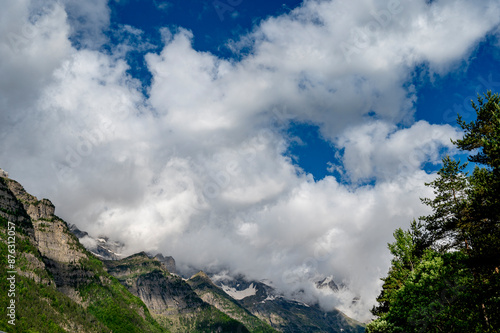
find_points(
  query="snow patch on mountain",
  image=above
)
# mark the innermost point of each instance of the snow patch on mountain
(240, 294)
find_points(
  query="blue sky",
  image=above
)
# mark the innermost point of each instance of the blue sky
(213, 23)
(280, 140)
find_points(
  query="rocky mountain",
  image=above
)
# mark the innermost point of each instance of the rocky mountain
(3, 173)
(327, 283)
(69, 281)
(168, 297)
(283, 314)
(212, 294)
(168, 261)
(55, 284)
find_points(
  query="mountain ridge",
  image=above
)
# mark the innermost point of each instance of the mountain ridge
(94, 288)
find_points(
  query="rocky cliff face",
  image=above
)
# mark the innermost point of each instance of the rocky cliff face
(169, 297)
(52, 236)
(60, 250)
(148, 278)
(60, 286)
(168, 261)
(3, 173)
(35, 208)
(11, 209)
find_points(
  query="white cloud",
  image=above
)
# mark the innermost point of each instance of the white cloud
(198, 170)
(33, 45)
(379, 150)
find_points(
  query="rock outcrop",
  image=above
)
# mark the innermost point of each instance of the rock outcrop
(11, 209)
(3, 173)
(163, 293)
(52, 236)
(168, 261)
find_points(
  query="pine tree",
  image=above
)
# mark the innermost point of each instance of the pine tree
(449, 206)
(482, 139)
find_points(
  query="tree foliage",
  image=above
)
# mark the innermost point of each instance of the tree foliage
(445, 273)
(405, 251)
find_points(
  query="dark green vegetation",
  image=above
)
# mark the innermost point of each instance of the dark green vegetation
(445, 272)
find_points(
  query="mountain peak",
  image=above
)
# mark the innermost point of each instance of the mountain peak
(168, 261)
(3, 173)
(201, 275)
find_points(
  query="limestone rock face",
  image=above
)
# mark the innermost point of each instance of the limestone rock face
(12, 210)
(36, 209)
(168, 261)
(68, 276)
(35, 265)
(10, 207)
(7, 200)
(163, 293)
(52, 236)
(56, 242)
(43, 209)
(20, 193)
(166, 295)
(59, 249)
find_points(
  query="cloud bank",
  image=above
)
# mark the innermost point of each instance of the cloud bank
(198, 168)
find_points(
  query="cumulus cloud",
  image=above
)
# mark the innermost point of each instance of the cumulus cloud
(379, 150)
(33, 45)
(198, 168)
